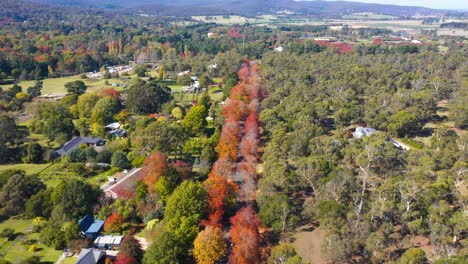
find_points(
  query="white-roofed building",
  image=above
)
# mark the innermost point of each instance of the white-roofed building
(108, 242)
(363, 131)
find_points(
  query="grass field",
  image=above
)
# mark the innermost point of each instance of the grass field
(57, 85)
(17, 250)
(30, 169)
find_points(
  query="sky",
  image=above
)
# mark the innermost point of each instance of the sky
(437, 4)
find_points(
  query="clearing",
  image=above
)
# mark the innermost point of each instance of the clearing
(308, 245)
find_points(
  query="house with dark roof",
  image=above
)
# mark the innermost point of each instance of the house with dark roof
(90, 227)
(75, 142)
(91, 256)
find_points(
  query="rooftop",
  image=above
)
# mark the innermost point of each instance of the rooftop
(75, 143)
(90, 256)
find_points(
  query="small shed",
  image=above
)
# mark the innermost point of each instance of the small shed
(363, 131)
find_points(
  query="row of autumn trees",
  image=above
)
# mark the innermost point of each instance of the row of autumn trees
(234, 177)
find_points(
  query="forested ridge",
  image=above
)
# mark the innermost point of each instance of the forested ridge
(371, 198)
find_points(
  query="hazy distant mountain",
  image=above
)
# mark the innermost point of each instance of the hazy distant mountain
(244, 7)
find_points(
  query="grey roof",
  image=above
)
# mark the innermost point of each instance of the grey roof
(90, 256)
(75, 143)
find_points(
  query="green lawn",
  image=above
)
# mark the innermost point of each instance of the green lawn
(30, 169)
(18, 249)
(57, 85)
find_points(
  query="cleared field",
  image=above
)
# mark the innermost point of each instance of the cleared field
(368, 15)
(308, 245)
(233, 20)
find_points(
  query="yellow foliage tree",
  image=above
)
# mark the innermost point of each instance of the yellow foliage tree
(209, 246)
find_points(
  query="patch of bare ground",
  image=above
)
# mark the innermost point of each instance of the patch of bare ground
(308, 244)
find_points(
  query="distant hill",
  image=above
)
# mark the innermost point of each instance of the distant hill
(186, 8)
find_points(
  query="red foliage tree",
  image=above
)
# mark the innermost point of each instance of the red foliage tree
(183, 169)
(235, 110)
(124, 259)
(110, 92)
(114, 223)
(245, 237)
(154, 166)
(221, 198)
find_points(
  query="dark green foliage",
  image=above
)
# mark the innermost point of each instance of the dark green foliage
(17, 190)
(131, 247)
(33, 153)
(77, 87)
(54, 119)
(40, 204)
(53, 237)
(146, 98)
(276, 212)
(8, 137)
(119, 159)
(230, 81)
(73, 199)
(8, 233)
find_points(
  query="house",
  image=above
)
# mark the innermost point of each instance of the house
(75, 142)
(90, 227)
(363, 131)
(91, 256)
(108, 242)
(114, 130)
(279, 49)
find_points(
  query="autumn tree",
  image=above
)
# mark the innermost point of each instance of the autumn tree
(114, 223)
(245, 237)
(153, 167)
(209, 246)
(222, 197)
(131, 247)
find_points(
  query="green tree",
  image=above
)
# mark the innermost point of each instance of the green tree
(413, 256)
(284, 253)
(177, 112)
(105, 109)
(14, 194)
(85, 105)
(147, 98)
(276, 212)
(77, 87)
(53, 237)
(164, 187)
(165, 249)
(33, 153)
(185, 208)
(54, 119)
(40, 204)
(73, 199)
(403, 123)
(70, 230)
(195, 120)
(185, 80)
(119, 159)
(8, 137)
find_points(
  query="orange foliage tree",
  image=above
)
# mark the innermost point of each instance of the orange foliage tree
(114, 223)
(221, 198)
(154, 167)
